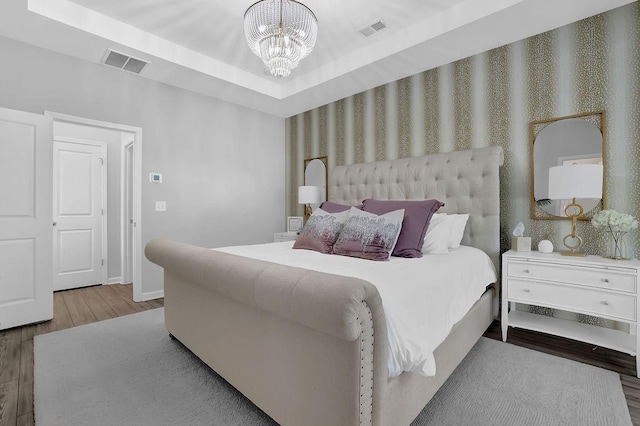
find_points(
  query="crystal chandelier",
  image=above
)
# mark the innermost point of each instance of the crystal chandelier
(281, 32)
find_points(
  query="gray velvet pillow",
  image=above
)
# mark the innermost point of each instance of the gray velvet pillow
(321, 231)
(417, 215)
(369, 236)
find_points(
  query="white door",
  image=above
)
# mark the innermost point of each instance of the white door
(26, 294)
(78, 212)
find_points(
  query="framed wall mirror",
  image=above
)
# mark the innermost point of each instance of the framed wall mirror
(573, 139)
(316, 174)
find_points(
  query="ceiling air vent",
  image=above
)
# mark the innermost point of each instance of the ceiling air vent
(372, 28)
(124, 62)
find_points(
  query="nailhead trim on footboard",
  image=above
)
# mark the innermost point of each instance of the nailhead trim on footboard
(366, 367)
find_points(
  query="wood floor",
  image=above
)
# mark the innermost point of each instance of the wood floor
(70, 308)
(87, 305)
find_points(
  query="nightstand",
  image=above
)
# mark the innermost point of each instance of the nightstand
(279, 237)
(589, 285)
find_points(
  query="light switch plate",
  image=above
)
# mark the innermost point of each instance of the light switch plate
(161, 206)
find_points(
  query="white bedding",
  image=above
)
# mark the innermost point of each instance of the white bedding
(422, 298)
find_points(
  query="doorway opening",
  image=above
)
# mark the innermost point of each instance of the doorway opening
(121, 249)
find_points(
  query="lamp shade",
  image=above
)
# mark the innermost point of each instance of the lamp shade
(575, 181)
(308, 194)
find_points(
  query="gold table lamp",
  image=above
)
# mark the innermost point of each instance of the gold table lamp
(573, 182)
(308, 195)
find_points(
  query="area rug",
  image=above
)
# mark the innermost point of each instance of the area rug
(127, 371)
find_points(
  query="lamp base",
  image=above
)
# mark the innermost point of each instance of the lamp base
(573, 253)
(576, 240)
(308, 211)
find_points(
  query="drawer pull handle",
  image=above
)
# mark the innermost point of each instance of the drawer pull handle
(526, 290)
(526, 271)
(605, 280)
(605, 303)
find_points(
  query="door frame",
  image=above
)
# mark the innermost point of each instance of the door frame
(138, 296)
(126, 182)
(104, 277)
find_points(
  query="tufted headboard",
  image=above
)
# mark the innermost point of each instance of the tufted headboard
(466, 181)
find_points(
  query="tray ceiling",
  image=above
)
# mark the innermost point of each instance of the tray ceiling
(199, 45)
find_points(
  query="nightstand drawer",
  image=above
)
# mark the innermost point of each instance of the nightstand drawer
(587, 276)
(590, 301)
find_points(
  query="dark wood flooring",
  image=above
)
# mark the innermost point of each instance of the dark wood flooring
(70, 308)
(91, 304)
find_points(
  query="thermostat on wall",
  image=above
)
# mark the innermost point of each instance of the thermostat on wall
(155, 177)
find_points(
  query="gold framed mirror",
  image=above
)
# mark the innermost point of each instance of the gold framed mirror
(316, 173)
(572, 139)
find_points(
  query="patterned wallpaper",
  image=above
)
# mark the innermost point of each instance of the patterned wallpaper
(489, 99)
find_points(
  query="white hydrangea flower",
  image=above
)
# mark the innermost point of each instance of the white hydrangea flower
(614, 221)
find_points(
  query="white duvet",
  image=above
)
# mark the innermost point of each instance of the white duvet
(422, 298)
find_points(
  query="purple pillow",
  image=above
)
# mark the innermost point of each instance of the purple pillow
(369, 236)
(321, 231)
(330, 207)
(417, 215)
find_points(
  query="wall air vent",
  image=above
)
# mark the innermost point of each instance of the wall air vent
(372, 28)
(124, 62)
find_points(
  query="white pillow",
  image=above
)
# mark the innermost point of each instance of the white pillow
(436, 240)
(457, 229)
(444, 226)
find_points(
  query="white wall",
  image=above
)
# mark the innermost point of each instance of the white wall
(223, 165)
(113, 139)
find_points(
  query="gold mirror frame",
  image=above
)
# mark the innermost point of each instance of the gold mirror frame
(597, 118)
(325, 160)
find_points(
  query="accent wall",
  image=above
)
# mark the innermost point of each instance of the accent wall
(489, 99)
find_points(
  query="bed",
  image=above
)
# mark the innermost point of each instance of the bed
(310, 347)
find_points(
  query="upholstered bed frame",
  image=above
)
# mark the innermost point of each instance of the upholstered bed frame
(311, 348)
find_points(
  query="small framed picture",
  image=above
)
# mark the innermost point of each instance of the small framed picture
(294, 223)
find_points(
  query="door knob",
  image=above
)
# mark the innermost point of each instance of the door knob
(55, 223)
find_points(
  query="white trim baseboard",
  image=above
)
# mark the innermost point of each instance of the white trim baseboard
(114, 280)
(151, 295)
